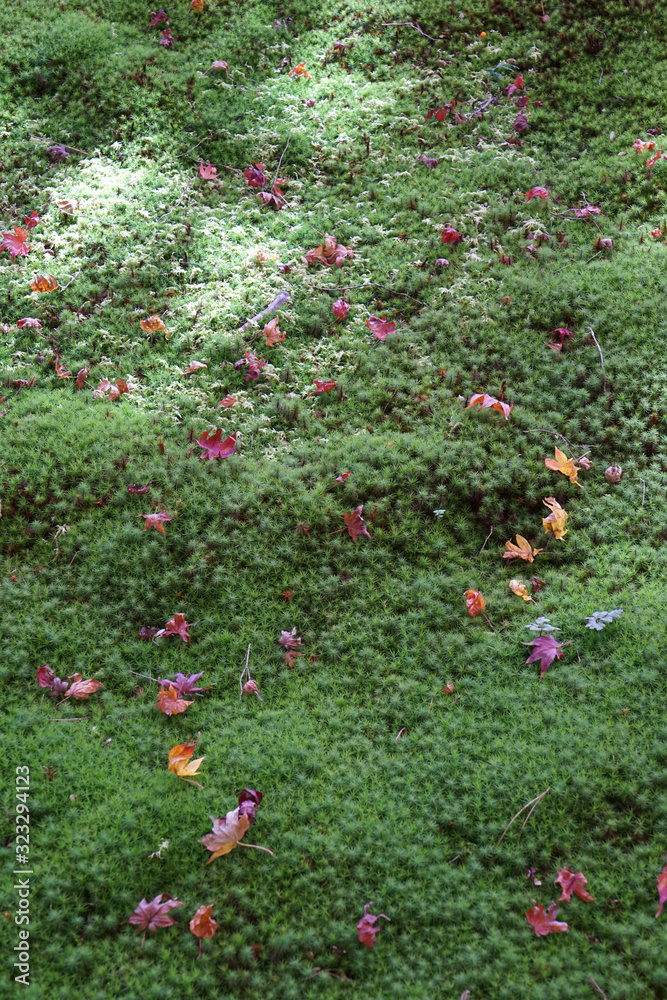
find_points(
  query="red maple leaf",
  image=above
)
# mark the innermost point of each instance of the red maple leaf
(321, 386)
(355, 523)
(155, 521)
(158, 16)
(572, 882)
(227, 401)
(380, 327)
(340, 308)
(586, 212)
(150, 916)
(29, 321)
(513, 87)
(208, 172)
(254, 364)
(16, 243)
(214, 447)
(255, 175)
(545, 922)
(176, 626)
(31, 220)
(537, 192)
(490, 402)
(366, 928)
(451, 235)
(546, 650)
(166, 38)
(81, 377)
(343, 476)
(662, 889)
(440, 113)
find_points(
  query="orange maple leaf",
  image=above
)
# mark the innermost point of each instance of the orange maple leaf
(152, 325)
(561, 463)
(490, 402)
(474, 602)
(300, 70)
(203, 925)
(169, 702)
(180, 763)
(545, 922)
(272, 335)
(44, 283)
(522, 550)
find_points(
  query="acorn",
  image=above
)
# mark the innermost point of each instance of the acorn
(613, 474)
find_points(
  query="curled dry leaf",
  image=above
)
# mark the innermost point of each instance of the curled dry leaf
(152, 325)
(330, 253)
(343, 476)
(81, 377)
(519, 588)
(136, 488)
(177, 626)
(44, 283)
(300, 70)
(572, 882)
(180, 763)
(449, 688)
(227, 401)
(203, 925)
(169, 702)
(115, 391)
(544, 922)
(355, 523)
(194, 366)
(380, 327)
(68, 206)
(156, 521)
(150, 916)
(340, 309)
(290, 640)
(474, 602)
(555, 522)
(29, 321)
(522, 550)
(537, 192)
(366, 929)
(561, 463)
(81, 689)
(272, 335)
(485, 402)
(220, 64)
(451, 235)
(322, 386)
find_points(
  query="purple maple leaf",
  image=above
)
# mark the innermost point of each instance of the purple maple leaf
(57, 152)
(158, 16)
(184, 684)
(546, 650)
(289, 640)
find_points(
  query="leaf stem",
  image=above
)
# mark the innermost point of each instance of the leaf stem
(256, 846)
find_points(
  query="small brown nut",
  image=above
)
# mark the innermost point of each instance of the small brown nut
(613, 474)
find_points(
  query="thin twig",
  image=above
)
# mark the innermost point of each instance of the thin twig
(79, 719)
(74, 556)
(485, 541)
(371, 284)
(70, 281)
(564, 266)
(279, 301)
(151, 679)
(194, 147)
(543, 430)
(590, 978)
(408, 24)
(533, 802)
(595, 341)
(275, 179)
(185, 190)
(594, 256)
(245, 669)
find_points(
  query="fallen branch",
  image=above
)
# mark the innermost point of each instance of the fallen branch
(279, 301)
(604, 377)
(533, 803)
(408, 24)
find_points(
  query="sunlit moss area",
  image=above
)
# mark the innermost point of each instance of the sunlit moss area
(492, 176)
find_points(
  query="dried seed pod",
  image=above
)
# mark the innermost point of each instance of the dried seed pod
(604, 243)
(613, 474)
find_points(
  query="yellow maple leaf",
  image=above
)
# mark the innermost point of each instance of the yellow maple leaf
(180, 763)
(555, 522)
(563, 464)
(518, 587)
(522, 550)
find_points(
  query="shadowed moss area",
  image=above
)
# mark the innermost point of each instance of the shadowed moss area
(351, 812)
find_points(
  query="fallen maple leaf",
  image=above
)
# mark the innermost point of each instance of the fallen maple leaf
(166, 38)
(546, 650)
(156, 521)
(194, 366)
(215, 447)
(537, 192)
(440, 113)
(519, 588)
(340, 309)
(203, 925)
(586, 212)
(300, 70)
(329, 254)
(44, 283)
(135, 488)
(61, 370)
(31, 220)
(272, 335)
(220, 64)
(561, 332)
(522, 550)
(448, 688)
(513, 87)
(81, 689)
(81, 377)
(208, 172)
(474, 602)
(654, 159)
(176, 626)
(555, 522)
(228, 832)
(572, 882)
(451, 235)
(561, 463)
(254, 365)
(181, 765)
(490, 402)
(29, 321)
(115, 391)
(290, 640)
(152, 325)
(355, 523)
(322, 386)
(158, 16)
(58, 152)
(169, 702)
(150, 916)
(545, 922)
(146, 632)
(255, 175)
(184, 684)
(366, 928)
(380, 327)
(16, 243)
(227, 401)
(343, 476)
(662, 889)
(68, 206)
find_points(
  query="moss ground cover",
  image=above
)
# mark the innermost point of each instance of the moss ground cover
(351, 813)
